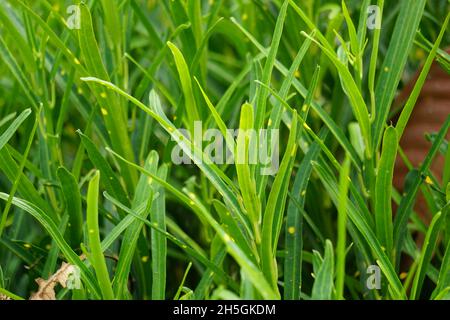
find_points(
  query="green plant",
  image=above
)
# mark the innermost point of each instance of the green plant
(90, 117)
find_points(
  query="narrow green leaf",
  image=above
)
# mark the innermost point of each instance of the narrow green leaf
(427, 251)
(12, 64)
(261, 99)
(444, 274)
(107, 176)
(96, 256)
(72, 198)
(110, 106)
(344, 182)
(323, 284)
(18, 177)
(294, 225)
(274, 211)
(374, 60)
(244, 150)
(392, 69)
(144, 195)
(409, 106)
(159, 241)
(7, 135)
(383, 190)
(191, 111)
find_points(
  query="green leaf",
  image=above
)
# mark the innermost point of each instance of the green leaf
(25, 188)
(96, 256)
(108, 178)
(344, 182)
(373, 62)
(110, 105)
(7, 135)
(18, 73)
(409, 106)
(444, 274)
(383, 190)
(191, 111)
(18, 177)
(273, 214)
(217, 118)
(158, 240)
(323, 284)
(294, 225)
(244, 150)
(262, 94)
(392, 69)
(72, 198)
(144, 195)
(427, 251)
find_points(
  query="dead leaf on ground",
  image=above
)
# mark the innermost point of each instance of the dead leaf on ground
(47, 287)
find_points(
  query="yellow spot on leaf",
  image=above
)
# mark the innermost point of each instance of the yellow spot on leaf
(291, 230)
(294, 150)
(428, 180)
(420, 54)
(226, 238)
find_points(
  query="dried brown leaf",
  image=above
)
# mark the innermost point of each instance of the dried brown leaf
(47, 287)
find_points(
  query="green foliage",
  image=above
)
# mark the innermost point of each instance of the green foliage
(90, 118)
